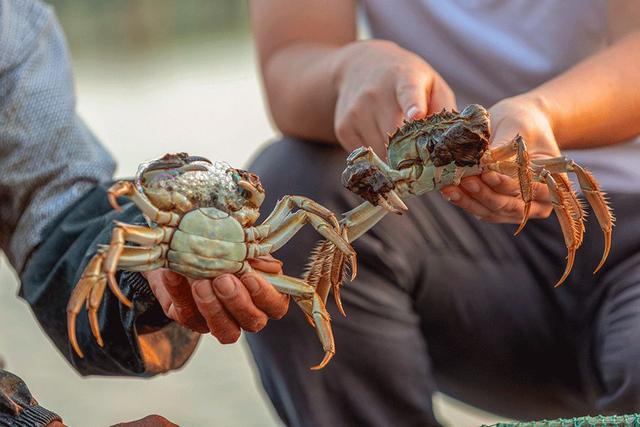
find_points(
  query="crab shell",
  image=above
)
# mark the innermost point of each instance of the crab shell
(441, 139)
(181, 183)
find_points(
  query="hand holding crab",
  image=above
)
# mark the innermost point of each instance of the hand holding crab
(443, 149)
(201, 219)
(496, 197)
(223, 306)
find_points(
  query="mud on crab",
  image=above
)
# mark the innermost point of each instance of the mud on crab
(201, 219)
(426, 155)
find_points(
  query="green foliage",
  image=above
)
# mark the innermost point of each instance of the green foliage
(142, 24)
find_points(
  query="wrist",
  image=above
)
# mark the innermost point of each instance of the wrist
(543, 107)
(351, 53)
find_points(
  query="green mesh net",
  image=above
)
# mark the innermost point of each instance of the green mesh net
(600, 421)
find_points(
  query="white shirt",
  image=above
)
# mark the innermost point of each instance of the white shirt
(487, 50)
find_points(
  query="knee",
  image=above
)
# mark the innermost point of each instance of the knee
(621, 392)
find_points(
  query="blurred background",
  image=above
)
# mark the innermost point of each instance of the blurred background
(154, 76)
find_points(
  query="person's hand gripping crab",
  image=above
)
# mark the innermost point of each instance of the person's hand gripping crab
(202, 217)
(440, 151)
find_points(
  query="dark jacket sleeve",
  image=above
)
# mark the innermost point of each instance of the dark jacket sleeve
(139, 341)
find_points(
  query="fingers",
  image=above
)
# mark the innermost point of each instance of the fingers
(346, 133)
(148, 421)
(227, 307)
(220, 323)
(265, 297)
(496, 198)
(174, 295)
(266, 263)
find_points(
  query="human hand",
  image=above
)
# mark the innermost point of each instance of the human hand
(495, 197)
(379, 83)
(223, 306)
(148, 421)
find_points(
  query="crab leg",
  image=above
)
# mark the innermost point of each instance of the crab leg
(496, 159)
(285, 230)
(135, 233)
(128, 189)
(326, 270)
(312, 306)
(286, 204)
(561, 206)
(92, 283)
(593, 193)
(90, 276)
(361, 219)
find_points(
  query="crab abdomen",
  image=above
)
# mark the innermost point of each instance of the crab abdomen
(207, 243)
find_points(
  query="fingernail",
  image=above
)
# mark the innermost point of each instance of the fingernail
(478, 217)
(251, 283)
(203, 290)
(225, 286)
(471, 186)
(412, 112)
(453, 196)
(491, 178)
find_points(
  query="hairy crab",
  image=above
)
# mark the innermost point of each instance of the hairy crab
(428, 154)
(201, 218)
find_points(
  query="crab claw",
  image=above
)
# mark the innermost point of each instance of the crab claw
(392, 202)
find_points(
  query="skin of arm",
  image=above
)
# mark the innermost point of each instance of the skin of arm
(321, 84)
(595, 103)
(324, 85)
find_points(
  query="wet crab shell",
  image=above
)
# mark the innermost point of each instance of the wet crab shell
(180, 183)
(441, 139)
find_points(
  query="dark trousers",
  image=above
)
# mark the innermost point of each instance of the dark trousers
(446, 302)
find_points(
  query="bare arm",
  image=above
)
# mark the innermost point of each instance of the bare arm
(597, 102)
(298, 45)
(324, 85)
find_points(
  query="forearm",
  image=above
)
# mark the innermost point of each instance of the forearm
(299, 82)
(597, 102)
(298, 45)
(48, 157)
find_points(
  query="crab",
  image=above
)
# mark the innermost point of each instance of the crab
(428, 154)
(200, 223)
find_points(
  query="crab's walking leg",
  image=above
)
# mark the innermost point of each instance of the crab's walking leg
(312, 306)
(134, 233)
(361, 219)
(101, 271)
(286, 204)
(594, 195)
(286, 228)
(327, 270)
(516, 148)
(128, 189)
(326, 266)
(91, 276)
(570, 230)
